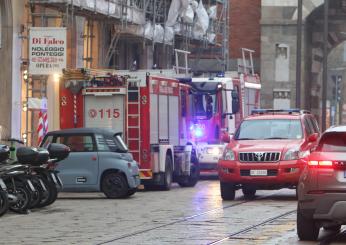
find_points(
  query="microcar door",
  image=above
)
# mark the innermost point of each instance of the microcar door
(80, 169)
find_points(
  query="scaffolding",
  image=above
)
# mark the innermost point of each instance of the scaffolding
(120, 34)
(147, 22)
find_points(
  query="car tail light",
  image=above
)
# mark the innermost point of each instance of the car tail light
(325, 164)
(320, 163)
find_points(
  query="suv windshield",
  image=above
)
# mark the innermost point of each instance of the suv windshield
(269, 129)
(333, 142)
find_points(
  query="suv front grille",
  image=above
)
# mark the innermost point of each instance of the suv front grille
(259, 156)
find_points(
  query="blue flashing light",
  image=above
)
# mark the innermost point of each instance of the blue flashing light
(198, 132)
(264, 111)
(220, 74)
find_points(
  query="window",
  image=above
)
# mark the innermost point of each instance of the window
(77, 143)
(205, 105)
(270, 129)
(109, 143)
(333, 142)
(282, 61)
(101, 143)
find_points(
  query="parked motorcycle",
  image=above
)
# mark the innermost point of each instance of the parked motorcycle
(42, 162)
(4, 203)
(19, 188)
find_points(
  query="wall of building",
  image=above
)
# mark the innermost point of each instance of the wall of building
(6, 69)
(17, 52)
(245, 29)
(279, 29)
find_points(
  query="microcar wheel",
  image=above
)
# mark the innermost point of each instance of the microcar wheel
(114, 185)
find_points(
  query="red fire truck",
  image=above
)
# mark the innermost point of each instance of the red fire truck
(219, 104)
(150, 109)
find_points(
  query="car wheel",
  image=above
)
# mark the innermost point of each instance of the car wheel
(131, 192)
(227, 191)
(333, 228)
(192, 179)
(114, 185)
(249, 192)
(168, 175)
(306, 228)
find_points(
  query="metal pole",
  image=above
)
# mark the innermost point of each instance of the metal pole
(325, 65)
(299, 54)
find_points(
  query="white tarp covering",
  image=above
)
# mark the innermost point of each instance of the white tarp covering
(175, 10)
(169, 34)
(213, 12)
(202, 23)
(148, 30)
(180, 11)
(159, 33)
(188, 15)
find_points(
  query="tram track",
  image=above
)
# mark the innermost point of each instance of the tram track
(252, 227)
(184, 219)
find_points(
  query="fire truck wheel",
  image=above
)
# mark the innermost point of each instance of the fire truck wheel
(192, 179)
(114, 185)
(227, 191)
(168, 175)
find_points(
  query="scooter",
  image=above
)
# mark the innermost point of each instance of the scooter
(42, 162)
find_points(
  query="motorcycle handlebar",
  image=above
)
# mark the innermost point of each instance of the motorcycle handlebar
(15, 140)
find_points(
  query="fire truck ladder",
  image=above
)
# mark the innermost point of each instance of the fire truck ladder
(177, 67)
(245, 67)
(133, 118)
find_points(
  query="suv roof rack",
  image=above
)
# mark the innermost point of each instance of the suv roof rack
(279, 111)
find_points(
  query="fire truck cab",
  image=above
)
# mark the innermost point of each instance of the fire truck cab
(218, 106)
(152, 111)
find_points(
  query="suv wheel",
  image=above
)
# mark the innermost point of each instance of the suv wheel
(249, 192)
(306, 228)
(227, 191)
(114, 185)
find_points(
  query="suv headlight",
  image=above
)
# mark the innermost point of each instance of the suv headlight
(292, 154)
(228, 155)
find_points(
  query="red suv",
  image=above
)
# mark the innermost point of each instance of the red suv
(266, 151)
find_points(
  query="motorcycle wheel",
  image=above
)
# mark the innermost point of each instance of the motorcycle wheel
(3, 203)
(36, 196)
(49, 195)
(53, 194)
(24, 197)
(46, 193)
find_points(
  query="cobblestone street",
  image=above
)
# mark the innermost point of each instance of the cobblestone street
(180, 216)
